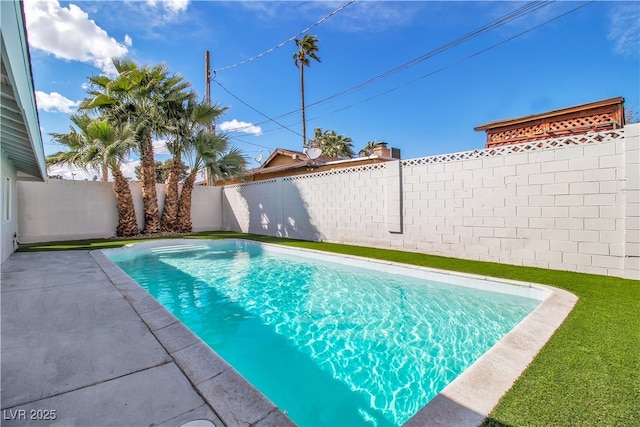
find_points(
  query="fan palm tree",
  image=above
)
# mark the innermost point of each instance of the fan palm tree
(187, 119)
(145, 97)
(367, 150)
(307, 50)
(334, 145)
(210, 152)
(98, 143)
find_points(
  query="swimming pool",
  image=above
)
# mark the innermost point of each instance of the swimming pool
(336, 344)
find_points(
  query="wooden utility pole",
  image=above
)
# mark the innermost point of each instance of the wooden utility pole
(207, 98)
(207, 78)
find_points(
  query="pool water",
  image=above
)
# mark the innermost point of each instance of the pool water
(328, 343)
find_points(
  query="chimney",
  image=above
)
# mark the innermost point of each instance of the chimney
(382, 150)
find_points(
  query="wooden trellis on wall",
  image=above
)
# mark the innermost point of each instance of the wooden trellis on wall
(598, 116)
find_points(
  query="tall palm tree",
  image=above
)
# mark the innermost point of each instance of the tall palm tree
(307, 50)
(98, 143)
(210, 152)
(334, 145)
(187, 119)
(144, 97)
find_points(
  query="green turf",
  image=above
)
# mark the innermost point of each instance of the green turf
(586, 375)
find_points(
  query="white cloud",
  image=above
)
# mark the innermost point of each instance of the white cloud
(160, 146)
(78, 174)
(625, 29)
(172, 8)
(236, 126)
(376, 16)
(68, 33)
(127, 40)
(55, 103)
(73, 172)
(363, 16)
(175, 6)
(129, 169)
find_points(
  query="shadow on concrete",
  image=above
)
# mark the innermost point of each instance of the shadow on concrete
(442, 411)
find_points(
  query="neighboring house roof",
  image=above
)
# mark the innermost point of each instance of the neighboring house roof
(283, 162)
(282, 159)
(19, 122)
(596, 116)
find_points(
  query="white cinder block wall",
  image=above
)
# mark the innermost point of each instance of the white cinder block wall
(346, 205)
(558, 208)
(568, 207)
(67, 210)
(632, 202)
(553, 204)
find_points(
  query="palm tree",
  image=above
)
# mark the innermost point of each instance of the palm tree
(98, 143)
(162, 171)
(144, 97)
(187, 119)
(367, 150)
(210, 152)
(334, 145)
(307, 48)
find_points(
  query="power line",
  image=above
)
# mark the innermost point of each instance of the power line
(286, 41)
(461, 60)
(522, 11)
(236, 138)
(511, 16)
(256, 110)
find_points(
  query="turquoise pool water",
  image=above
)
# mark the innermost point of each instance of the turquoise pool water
(328, 343)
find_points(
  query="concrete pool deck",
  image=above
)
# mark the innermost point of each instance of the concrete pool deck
(90, 348)
(80, 338)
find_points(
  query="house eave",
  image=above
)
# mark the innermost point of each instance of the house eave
(19, 120)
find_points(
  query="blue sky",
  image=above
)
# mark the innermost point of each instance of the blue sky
(430, 106)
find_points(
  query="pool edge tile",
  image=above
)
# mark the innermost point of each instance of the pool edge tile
(200, 362)
(234, 398)
(158, 318)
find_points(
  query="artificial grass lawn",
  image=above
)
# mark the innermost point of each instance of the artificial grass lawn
(588, 373)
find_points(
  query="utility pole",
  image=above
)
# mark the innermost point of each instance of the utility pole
(207, 97)
(207, 77)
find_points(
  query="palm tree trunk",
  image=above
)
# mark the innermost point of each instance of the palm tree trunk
(304, 121)
(184, 206)
(127, 223)
(105, 172)
(170, 211)
(149, 194)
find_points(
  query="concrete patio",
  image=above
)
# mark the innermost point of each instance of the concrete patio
(80, 347)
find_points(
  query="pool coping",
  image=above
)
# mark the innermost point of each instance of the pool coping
(466, 401)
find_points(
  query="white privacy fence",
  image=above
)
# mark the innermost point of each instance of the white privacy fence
(566, 203)
(67, 210)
